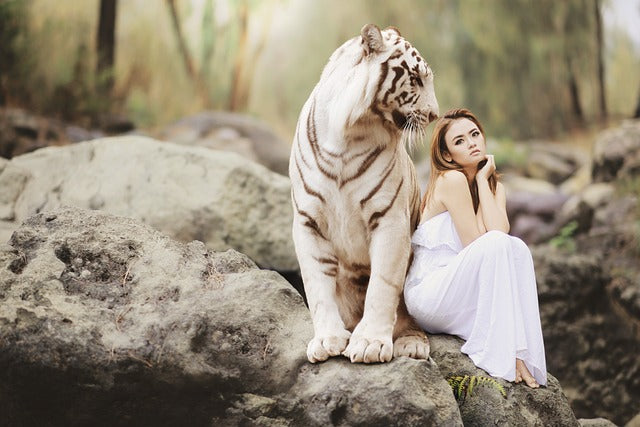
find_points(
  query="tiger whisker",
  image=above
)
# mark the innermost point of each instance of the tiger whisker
(407, 134)
(414, 131)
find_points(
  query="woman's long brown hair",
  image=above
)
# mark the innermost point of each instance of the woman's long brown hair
(439, 164)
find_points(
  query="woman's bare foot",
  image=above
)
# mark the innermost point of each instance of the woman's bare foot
(522, 373)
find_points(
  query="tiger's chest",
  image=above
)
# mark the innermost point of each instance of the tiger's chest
(348, 195)
(346, 225)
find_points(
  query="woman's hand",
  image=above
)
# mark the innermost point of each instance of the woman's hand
(492, 204)
(487, 169)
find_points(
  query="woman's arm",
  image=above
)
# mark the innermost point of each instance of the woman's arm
(452, 189)
(480, 221)
(493, 206)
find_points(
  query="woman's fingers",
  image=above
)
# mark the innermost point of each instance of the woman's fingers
(491, 161)
(490, 166)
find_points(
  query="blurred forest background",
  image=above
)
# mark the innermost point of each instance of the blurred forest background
(553, 81)
(529, 69)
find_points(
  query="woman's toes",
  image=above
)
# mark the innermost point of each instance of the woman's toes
(531, 382)
(523, 373)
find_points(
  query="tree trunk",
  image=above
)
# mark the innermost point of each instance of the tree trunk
(636, 115)
(600, 53)
(106, 45)
(201, 87)
(246, 63)
(235, 96)
(576, 107)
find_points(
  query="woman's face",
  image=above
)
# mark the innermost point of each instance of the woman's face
(465, 143)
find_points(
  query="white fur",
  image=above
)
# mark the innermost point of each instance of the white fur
(343, 100)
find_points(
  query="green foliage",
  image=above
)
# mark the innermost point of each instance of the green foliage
(47, 66)
(508, 154)
(138, 108)
(628, 186)
(11, 20)
(564, 239)
(13, 16)
(463, 386)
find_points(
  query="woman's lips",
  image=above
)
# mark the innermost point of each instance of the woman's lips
(474, 152)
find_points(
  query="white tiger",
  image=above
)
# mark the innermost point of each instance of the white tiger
(355, 196)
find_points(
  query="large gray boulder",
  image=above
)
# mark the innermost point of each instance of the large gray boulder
(582, 206)
(596, 422)
(532, 205)
(590, 339)
(189, 193)
(590, 296)
(616, 153)
(240, 133)
(12, 182)
(614, 238)
(552, 162)
(521, 406)
(103, 316)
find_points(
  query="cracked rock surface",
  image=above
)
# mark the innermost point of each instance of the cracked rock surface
(188, 193)
(104, 320)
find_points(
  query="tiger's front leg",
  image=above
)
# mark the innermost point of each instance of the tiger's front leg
(372, 339)
(318, 268)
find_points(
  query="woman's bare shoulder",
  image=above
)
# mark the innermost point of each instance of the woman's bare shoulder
(449, 184)
(452, 180)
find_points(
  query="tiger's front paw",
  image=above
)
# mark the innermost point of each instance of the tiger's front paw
(322, 347)
(369, 350)
(415, 346)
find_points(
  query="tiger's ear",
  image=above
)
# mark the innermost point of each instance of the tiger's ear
(394, 29)
(371, 39)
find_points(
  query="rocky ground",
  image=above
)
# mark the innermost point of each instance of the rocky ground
(87, 321)
(101, 314)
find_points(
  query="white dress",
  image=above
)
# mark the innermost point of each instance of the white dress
(484, 293)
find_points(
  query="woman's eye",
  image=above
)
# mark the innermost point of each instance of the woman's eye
(476, 133)
(458, 141)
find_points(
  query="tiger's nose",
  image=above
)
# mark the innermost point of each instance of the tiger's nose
(432, 116)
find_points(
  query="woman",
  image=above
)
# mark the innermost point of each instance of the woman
(468, 276)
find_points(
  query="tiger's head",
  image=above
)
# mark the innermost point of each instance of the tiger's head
(379, 72)
(405, 94)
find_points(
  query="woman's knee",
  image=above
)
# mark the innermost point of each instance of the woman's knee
(519, 246)
(496, 239)
(499, 241)
(490, 242)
